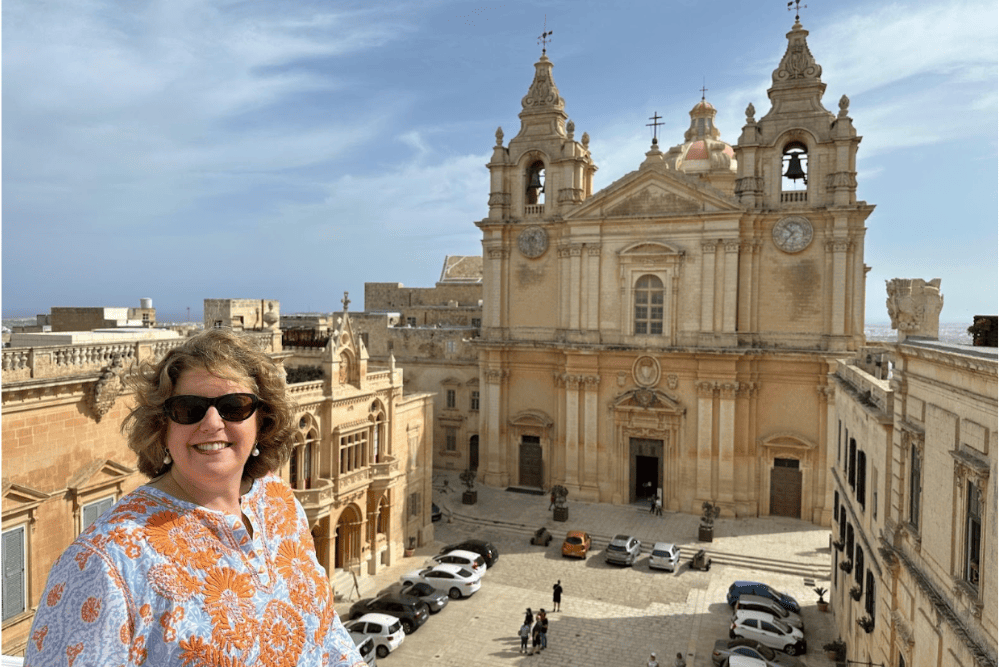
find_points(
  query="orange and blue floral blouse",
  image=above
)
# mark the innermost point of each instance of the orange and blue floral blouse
(161, 582)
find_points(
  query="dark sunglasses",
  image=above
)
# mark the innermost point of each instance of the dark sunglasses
(191, 409)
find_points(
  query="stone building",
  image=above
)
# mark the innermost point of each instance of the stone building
(914, 478)
(242, 314)
(674, 331)
(361, 463)
(89, 318)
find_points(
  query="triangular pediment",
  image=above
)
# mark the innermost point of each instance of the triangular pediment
(19, 497)
(655, 193)
(96, 474)
(647, 399)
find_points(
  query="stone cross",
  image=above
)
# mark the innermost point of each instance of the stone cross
(655, 124)
(345, 301)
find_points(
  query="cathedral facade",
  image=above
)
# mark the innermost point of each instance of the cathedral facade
(673, 333)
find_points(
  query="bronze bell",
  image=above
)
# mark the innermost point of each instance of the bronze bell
(535, 183)
(794, 170)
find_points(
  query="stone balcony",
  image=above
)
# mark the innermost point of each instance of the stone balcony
(314, 500)
(63, 361)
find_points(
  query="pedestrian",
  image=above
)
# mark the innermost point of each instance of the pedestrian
(652, 661)
(652, 505)
(543, 621)
(679, 661)
(536, 638)
(552, 500)
(524, 633)
(556, 595)
(659, 506)
(529, 617)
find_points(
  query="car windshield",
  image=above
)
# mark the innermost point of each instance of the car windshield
(394, 628)
(464, 573)
(574, 540)
(616, 547)
(661, 553)
(421, 589)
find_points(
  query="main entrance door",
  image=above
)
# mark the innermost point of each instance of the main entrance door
(530, 468)
(646, 465)
(474, 453)
(786, 488)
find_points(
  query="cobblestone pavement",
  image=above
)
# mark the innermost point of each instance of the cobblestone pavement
(610, 615)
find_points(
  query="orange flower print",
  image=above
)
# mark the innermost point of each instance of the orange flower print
(172, 582)
(229, 601)
(73, 651)
(90, 610)
(282, 635)
(198, 653)
(280, 516)
(55, 594)
(137, 652)
(167, 621)
(146, 613)
(39, 636)
(182, 539)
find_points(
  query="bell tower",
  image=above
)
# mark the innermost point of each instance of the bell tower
(544, 171)
(797, 176)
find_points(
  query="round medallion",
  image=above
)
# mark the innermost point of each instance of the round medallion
(533, 242)
(792, 234)
(646, 371)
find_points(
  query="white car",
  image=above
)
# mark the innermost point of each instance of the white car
(454, 580)
(385, 630)
(366, 647)
(665, 556)
(769, 606)
(768, 630)
(467, 559)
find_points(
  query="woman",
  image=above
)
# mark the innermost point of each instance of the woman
(210, 563)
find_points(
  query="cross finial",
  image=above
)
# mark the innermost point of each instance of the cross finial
(703, 91)
(655, 124)
(544, 38)
(345, 301)
(796, 3)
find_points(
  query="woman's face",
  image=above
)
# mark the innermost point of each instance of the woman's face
(209, 455)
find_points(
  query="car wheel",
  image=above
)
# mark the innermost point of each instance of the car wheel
(454, 594)
(792, 649)
(381, 651)
(408, 626)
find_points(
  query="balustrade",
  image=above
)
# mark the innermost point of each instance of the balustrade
(795, 197)
(44, 362)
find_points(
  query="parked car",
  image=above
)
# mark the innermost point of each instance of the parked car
(769, 606)
(744, 661)
(454, 580)
(623, 550)
(435, 512)
(751, 647)
(366, 647)
(665, 556)
(411, 612)
(467, 559)
(577, 544)
(768, 631)
(739, 588)
(485, 549)
(542, 536)
(433, 598)
(385, 631)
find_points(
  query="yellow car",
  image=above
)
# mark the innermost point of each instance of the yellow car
(577, 543)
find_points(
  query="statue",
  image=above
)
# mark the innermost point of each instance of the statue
(914, 306)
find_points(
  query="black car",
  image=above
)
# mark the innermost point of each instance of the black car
(411, 612)
(435, 512)
(481, 547)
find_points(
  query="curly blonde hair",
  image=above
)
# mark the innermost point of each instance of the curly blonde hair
(228, 355)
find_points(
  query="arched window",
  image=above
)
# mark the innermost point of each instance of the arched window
(648, 305)
(794, 166)
(535, 190)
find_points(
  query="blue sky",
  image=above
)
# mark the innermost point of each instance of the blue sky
(292, 150)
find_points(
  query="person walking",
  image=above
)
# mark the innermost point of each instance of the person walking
(652, 661)
(679, 661)
(543, 621)
(652, 505)
(659, 506)
(536, 638)
(552, 500)
(556, 595)
(524, 633)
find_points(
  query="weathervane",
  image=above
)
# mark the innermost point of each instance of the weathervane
(544, 38)
(655, 124)
(796, 3)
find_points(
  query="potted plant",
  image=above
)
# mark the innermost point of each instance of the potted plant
(709, 513)
(836, 650)
(561, 510)
(408, 551)
(469, 496)
(846, 566)
(867, 624)
(821, 604)
(838, 545)
(856, 593)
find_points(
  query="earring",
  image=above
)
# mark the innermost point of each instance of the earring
(167, 460)
(256, 451)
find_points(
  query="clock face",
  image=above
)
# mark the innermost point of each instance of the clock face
(533, 242)
(792, 234)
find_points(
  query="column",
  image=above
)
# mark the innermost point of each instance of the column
(707, 287)
(564, 287)
(591, 383)
(703, 474)
(572, 432)
(827, 460)
(731, 286)
(490, 440)
(575, 288)
(593, 287)
(839, 249)
(727, 435)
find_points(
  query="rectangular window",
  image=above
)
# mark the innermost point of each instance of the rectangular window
(870, 594)
(973, 528)
(852, 463)
(451, 440)
(859, 565)
(843, 524)
(14, 584)
(91, 511)
(915, 486)
(450, 398)
(840, 434)
(413, 508)
(474, 400)
(477, 322)
(450, 346)
(862, 478)
(411, 321)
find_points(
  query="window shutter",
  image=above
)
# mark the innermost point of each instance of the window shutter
(13, 572)
(92, 511)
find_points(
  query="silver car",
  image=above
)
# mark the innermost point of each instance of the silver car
(665, 556)
(435, 599)
(623, 550)
(769, 606)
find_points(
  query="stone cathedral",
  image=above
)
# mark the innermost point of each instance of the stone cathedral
(674, 332)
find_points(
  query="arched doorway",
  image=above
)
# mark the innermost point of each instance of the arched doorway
(347, 546)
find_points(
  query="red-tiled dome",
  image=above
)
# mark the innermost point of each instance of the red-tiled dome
(698, 151)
